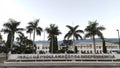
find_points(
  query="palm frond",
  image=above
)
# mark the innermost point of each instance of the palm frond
(5, 30)
(88, 35)
(31, 25)
(19, 29)
(93, 29)
(101, 28)
(68, 35)
(73, 32)
(7, 25)
(36, 22)
(75, 28)
(78, 36)
(70, 27)
(38, 30)
(79, 31)
(29, 29)
(20, 34)
(52, 31)
(99, 34)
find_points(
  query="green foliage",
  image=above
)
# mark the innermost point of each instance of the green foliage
(61, 51)
(41, 52)
(67, 42)
(53, 45)
(104, 46)
(0, 36)
(4, 48)
(92, 30)
(70, 51)
(64, 51)
(11, 27)
(73, 32)
(33, 27)
(76, 50)
(23, 46)
(53, 32)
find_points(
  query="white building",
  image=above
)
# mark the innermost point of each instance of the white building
(83, 47)
(87, 48)
(42, 47)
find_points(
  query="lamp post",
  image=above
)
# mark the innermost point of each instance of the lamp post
(118, 38)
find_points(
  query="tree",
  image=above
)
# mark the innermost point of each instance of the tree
(0, 37)
(29, 30)
(53, 32)
(104, 45)
(21, 40)
(74, 33)
(76, 50)
(67, 43)
(92, 30)
(11, 27)
(24, 45)
(33, 27)
(1, 41)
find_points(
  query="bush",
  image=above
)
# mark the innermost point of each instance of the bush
(61, 51)
(70, 51)
(41, 52)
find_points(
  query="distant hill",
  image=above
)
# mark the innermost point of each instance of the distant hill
(112, 40)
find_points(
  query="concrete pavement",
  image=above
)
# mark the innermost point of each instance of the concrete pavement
(62, 63)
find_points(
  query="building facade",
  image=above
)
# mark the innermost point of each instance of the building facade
(44, 47)
(87, 48)
(82, 47)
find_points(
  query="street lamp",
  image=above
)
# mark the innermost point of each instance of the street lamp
(118, 38)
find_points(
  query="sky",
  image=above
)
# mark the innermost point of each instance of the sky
(62, 13)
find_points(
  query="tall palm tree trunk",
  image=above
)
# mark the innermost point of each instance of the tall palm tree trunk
(11, 43)
(33, 40)
(94, 46)
(73, 43)
(7, 52)
(8, 45)
(104, 46)
(30, 35)
(52, 45)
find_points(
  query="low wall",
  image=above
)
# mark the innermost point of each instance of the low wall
(2, 55)
(61, 57)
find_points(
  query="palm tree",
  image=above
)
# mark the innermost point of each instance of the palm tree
(92, 30)
(0, 37)
(33, 27)
(74, 33)
(1, 41)
(29, 30)
(53, 32)
(67, 43)
(104, 44)
(11, 27)
(21, 37)
(25, 45)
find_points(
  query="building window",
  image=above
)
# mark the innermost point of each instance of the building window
(100, 51)
(99, 47)
(91, 51)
